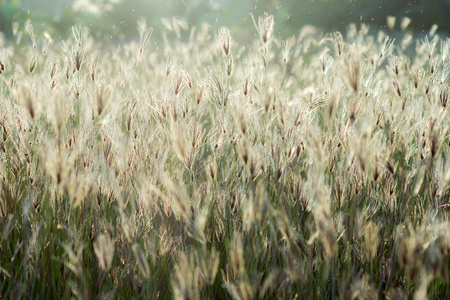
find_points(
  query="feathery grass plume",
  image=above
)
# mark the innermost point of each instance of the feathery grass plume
(32, 64)
(211, 170)
(128, 225)
(397, 88)
(418, 75)
(102, 98)
(443, 241)
(269, 99)
(264, 26)
(218, 91)
(12, 80)
(74, 263)
(371, 240)
(443, 97)
(200, 93)
(77, 53)
(15, 28)
(353, 74)
(196, 226)
(184, 279)
(255, 208)
(171, 63)
(390, 20)
(429, 46)
(421, 288)
(286, 52)
(237, 255)
(92, 65)
(433, 65)
(183, 69)
(396, 294)
(46, 43)
(77, 32)
(326, 61)
(27, 100)
(141, 260)
(284, 227)
(144, 33)
(428, 88)
(263, 53)
(225, 40)
(281, 109)
(409, 250)
(179, 81)
(395, 64)
(77, 87)
(338, 42)
(405, 23)
(329, 241)
(30, 30)
(178, 25)
(406, 41)
(229, 62)
(177, 198)
(246, 85)
(130, 116)
(361, 288)
(316, 101)
(435, 262)
(68, 71)
(246, 291)
(241, 121)
(54, 84)
(445, 48)
(4, 210)
(210, 266)
(54, 68)
(274, 283)
(244, 151)
(77, 58)
(104, 250)
(77, 186)
(433, 29)
(182, 147)
(386, 46)
(167, 23)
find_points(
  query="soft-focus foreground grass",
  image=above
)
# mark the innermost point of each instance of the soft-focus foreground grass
(312, 167)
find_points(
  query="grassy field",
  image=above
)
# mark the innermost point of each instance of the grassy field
(313, 167)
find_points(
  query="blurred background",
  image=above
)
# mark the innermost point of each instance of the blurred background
(118, 18)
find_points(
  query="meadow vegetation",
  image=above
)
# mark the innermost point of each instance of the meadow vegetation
(316, 166)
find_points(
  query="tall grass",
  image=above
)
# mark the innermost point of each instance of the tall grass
(312, 167)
